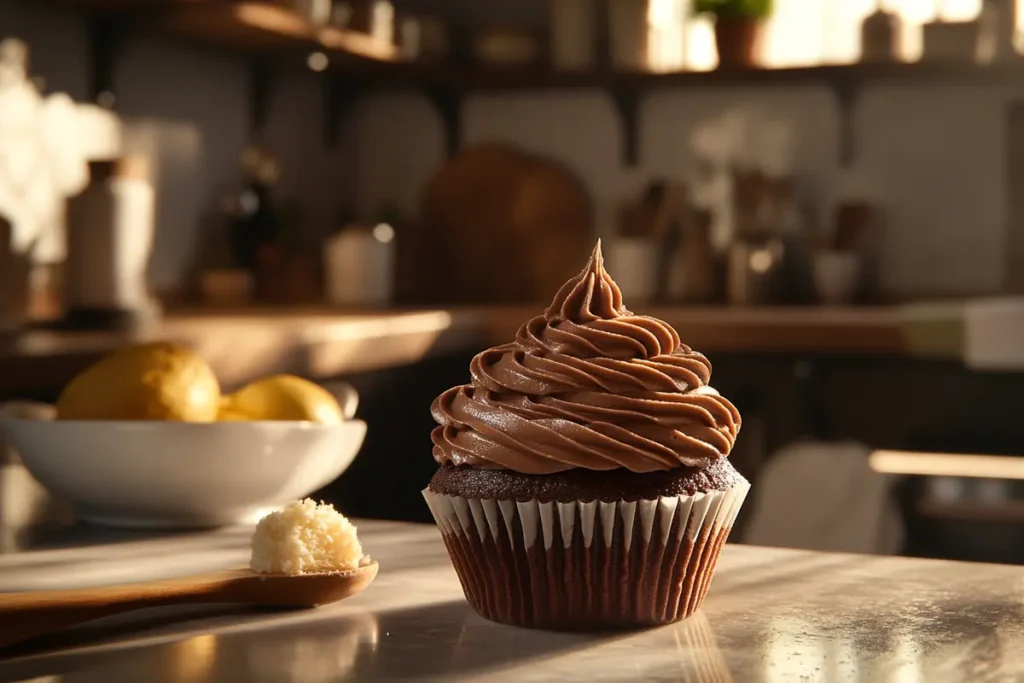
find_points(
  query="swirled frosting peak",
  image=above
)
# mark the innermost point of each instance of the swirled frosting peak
(586, 385)
(591, 295)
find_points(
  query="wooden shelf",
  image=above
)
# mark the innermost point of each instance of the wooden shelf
(324, 341)
(271, 35)
(271, 28)
(115, 5)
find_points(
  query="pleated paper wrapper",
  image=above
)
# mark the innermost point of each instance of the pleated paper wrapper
(586, 566)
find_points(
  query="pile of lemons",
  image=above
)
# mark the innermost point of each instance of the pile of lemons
(167, 381)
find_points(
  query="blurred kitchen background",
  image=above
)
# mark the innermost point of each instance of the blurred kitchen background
(821, 195)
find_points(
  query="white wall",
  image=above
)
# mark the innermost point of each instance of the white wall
(935, 153)
(188, 109)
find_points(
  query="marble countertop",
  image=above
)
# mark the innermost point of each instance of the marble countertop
(771, 615)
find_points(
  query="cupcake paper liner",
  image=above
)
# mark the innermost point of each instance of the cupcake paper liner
(586, 565)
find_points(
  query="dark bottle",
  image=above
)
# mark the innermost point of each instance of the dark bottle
(255, 221)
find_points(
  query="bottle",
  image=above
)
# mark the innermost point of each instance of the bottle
(255, 220)
(110, 230)
(880, 36)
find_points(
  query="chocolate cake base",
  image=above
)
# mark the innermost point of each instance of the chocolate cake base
(585, 485)
(536, 563)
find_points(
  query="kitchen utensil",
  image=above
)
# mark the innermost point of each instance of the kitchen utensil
(148, 474)
(28, 615)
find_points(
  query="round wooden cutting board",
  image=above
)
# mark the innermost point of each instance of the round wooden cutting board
(497, 225)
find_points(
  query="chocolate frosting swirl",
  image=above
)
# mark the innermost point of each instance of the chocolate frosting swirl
(586, 385)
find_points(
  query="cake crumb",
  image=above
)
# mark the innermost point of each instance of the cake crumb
(305, 538)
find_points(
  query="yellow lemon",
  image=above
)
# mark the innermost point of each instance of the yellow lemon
(228, 413)
(282, 397)
(158, 381)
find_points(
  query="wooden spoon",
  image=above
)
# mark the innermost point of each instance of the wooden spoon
(27, 615)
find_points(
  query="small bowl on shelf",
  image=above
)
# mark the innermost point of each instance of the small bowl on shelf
(174, 475)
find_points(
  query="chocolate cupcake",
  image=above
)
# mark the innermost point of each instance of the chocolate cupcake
(584, 480)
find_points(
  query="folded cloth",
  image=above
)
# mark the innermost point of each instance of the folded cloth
(823, 496)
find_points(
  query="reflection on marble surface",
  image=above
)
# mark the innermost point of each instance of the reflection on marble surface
(772, 615)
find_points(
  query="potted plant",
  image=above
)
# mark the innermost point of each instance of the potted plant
(738, 27)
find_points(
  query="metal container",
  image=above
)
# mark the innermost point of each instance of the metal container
(110, 231)
(359, 266)
(754, 271)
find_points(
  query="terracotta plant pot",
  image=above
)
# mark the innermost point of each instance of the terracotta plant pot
(738, 41)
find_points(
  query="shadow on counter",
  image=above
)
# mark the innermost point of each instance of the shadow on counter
(423, 642)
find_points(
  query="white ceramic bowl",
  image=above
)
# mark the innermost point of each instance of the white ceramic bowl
(180, 475)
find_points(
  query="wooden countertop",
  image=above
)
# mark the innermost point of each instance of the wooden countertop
(771, 615)
(322, 342)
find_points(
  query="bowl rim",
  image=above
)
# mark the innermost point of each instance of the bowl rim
(305, 425)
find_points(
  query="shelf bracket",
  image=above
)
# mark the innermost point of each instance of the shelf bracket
(107, 34)
(627, 100)
(261, 92)
(847, 92)
(340, 100)
(448, 103)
